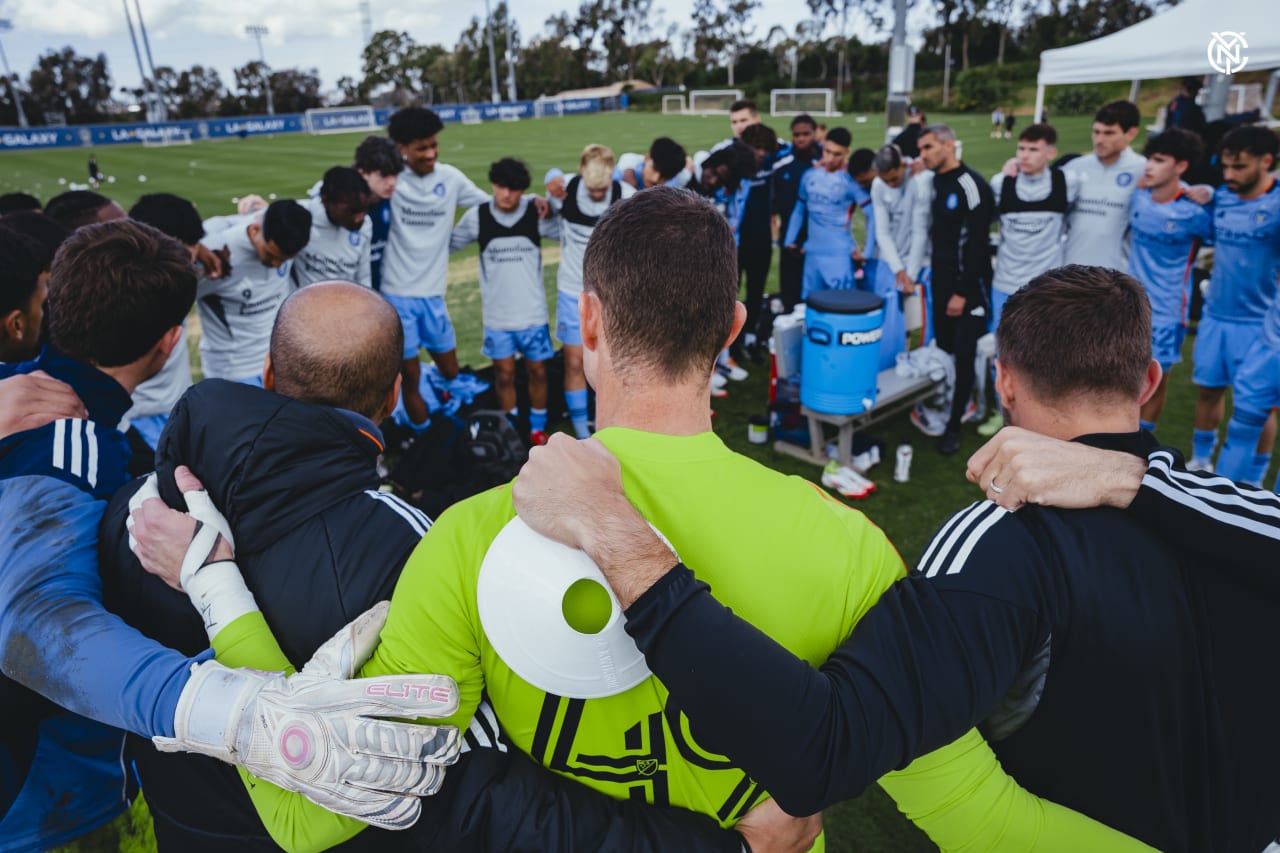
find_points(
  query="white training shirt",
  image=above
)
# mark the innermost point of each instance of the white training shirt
(157, 395)
(1098, 224)
(1030, 240)
(574, 237)
(416, 262)
(333, 252)
(237, 311)
(511, 290)
(894, 220)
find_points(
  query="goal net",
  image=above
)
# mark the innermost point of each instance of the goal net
(171, 136)
(713, 101)
(673, 104)
(339, 120)
(544, 107)
(792, 102)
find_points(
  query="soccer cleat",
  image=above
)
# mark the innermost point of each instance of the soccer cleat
(927, 426)
(991, 425)
(970, 413)
(949, 443)
(537, 438)
(732, 370)
(846, 481)
(718, 380)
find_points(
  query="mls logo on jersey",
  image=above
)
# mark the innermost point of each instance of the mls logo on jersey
(353, 237)
(646, 766)
(953, 201)
(439, 190)
(1124, 179)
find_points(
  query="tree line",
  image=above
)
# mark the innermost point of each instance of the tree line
(601, 42)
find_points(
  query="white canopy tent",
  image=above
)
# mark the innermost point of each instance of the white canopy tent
(1173, 43)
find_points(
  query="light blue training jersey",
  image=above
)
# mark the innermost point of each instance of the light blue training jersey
(1165, 239)
(826, 198)
(1246, 261)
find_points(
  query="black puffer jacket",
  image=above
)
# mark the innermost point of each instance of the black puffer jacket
(318, 544)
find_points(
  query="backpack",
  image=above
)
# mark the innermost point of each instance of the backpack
(454, 459)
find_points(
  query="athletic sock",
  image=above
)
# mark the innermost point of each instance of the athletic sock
(537, 420)
(577, 401)
(1149, 426)
(1235, 460)
(1203, 442)
(1258, 469)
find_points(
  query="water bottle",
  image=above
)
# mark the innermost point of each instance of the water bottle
(902, 466)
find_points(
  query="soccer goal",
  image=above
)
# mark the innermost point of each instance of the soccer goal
(544, 107)
(339, 120)
(673, 104)
(713, 101)
(164, 140)
(793, 102)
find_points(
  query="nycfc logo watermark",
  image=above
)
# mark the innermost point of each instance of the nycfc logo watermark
(1226, 52)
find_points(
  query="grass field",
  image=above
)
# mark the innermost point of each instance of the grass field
(212, 173)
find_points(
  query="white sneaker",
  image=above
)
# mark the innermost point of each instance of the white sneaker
(732, 370)
(868, 459)
(1205, 465)
(846, 481)
(718, 380)
(928, 426)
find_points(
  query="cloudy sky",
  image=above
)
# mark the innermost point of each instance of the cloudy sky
(323, 34)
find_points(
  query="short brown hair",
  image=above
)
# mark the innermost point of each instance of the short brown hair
(665, 268)
(336, 343)
(1077, 330)
(1040, 132)
(115, 288)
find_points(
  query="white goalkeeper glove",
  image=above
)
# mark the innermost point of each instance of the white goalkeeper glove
(322, 736)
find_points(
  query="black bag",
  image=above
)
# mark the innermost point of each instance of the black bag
(455, 459)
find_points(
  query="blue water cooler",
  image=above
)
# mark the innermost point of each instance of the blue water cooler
(841, 354)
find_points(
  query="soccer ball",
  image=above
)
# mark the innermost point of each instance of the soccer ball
(142, 179)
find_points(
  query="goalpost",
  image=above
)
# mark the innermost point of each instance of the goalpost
(339, 120)
(713, 101)
(544, 107)
(177, 137)
(793, 102)
(673, 104)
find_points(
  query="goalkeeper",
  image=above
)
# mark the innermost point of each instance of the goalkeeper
(649, 352)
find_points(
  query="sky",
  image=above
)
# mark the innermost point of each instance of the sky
(322, 34)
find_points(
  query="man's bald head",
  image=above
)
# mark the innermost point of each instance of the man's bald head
(337, 344)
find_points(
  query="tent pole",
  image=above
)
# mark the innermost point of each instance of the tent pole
(1039, 104)
(1133, 91)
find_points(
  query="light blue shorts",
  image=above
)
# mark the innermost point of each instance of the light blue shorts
(426, 324)
(568, 323)
(826, 272)
(1166, 343)
(1220, 348)
(534, 343)
(1257, 385)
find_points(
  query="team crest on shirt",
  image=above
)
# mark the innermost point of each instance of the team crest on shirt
(353, 237)
(386, 213)
(953, 201)
(283, 269)
(1170, 226)
(439, 190)
(1260, 218)
(247, 294)
(1124, 179)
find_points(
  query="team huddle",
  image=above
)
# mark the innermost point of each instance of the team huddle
(262, 619)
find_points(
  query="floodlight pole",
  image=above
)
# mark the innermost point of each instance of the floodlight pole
(493, 60)
(258, 31)
(149, 97)
(899, 73)
(511, 60)
(162, 109)
(6, 26)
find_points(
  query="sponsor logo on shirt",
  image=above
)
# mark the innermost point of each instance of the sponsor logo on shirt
(1124, 179)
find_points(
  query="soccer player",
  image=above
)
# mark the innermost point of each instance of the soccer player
(908, 141)
(666, 163)
(1098, 225)
(341, 232)
(76, 208)
(960, 211)
(509, 233)
(1031, 208)
(13, 202)
(61, 775)
(585, 199)
(755, 234)
(786, 189)
(416, 264)
(1167, 230)
(1097, 655)
(658, 304)
(898, 259)
(1242, 286)
(997, 123)
(154, 399)
(822, 207)
(742, 114)
(237, 310)
(379, 162)
(24, 286)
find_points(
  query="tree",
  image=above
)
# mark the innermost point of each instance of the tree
(394, 59)
(710, 24)
(65, 83)
(196, 92)
(296, 90)
(251, 86)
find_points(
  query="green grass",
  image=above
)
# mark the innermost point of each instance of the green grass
(211, 173)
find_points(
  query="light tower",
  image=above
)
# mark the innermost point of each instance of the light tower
(258, 31)
(6, 26)
(493, 61)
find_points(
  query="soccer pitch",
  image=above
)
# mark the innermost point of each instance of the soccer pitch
(212, 173)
